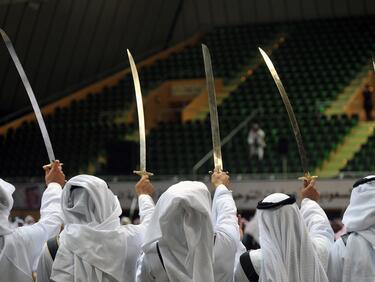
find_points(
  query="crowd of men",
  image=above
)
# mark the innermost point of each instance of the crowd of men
(186, 236)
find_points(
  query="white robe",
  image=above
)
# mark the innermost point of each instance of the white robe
(93, 245)
(228, 245)
(320, 233)
(355, 261)
(135, 232)
(182, 228)
(226, 248)
(20, 249)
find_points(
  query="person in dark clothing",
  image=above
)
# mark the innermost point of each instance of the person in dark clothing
(367, 101)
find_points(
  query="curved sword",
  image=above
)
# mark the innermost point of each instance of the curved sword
(141, 119)
(215, 130)
(291, 115)
(30, 93)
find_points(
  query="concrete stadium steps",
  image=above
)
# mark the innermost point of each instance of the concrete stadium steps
(339, 106)
(352, 143)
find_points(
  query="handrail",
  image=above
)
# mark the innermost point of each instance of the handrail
(227, 138)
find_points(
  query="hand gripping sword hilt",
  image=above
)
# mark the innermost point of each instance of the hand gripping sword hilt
(218, 170)
(307, 177)
(142, 173)
(49, 166)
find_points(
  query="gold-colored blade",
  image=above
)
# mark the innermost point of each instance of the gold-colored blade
(289, 109)
(141, 118)
(215, 130)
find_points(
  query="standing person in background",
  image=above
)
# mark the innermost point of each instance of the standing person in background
(29, 220)
(21, 247)
(256, 142)
(367, 101)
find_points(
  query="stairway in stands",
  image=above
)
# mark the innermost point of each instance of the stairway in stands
(344, 152)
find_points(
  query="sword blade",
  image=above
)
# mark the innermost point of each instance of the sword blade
(141, 118)
(289, 109)
(30, 93)
(215, 130)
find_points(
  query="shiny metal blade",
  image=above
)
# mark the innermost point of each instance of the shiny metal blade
(141, 118)
(30, 93)
(215, 130)
(373, 64)
(289, 109)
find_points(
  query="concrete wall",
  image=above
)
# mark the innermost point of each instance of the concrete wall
(335, 194)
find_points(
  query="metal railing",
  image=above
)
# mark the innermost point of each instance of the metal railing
(227, 138)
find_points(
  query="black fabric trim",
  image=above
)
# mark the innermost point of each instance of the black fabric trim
(363, 181)
(53, 246)
(159, 254)
(268, 205)
(345, 238)
(248, 267)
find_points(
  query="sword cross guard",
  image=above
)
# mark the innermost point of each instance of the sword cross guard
(142, 173)
(307, 177)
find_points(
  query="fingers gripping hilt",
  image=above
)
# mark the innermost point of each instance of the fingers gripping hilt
(143, 173)
(49, 166)
(218, 170)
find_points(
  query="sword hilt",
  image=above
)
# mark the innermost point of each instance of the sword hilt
(142, 173)
(307, 177)
(49, 166)
(218, 170)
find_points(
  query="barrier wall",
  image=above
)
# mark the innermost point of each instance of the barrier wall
(335, 194)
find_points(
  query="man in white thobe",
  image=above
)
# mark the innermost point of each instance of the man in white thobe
(20, 248)
(352, 257)
(179, 240)
(182, 237)
(294, 243)
(256, 141)
(94, 246)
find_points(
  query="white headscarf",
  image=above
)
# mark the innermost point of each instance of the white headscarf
(93, 236)
(182, 224)
(287, 250)
(6, 204)
(359, 216)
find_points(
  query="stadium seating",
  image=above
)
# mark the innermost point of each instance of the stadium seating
(363, 160)
(315, 62)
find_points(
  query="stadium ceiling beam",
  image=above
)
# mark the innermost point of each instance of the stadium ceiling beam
(32, 3)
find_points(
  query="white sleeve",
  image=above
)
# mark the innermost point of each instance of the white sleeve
(319, 229)
(146, 208)
(136, 233)
(48, 226)
(336, 261)
(227, 234)
(44, 266)
(143, 272)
